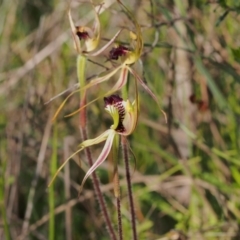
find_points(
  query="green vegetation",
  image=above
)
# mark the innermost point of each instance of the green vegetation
(185, 173)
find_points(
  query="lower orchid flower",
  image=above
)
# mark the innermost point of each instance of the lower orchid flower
(125, 115)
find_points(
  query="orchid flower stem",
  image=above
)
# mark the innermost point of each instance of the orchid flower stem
(118, 201)
(81, 65)
(128, 177)
(130, 194)
(125, 87)
(115, 157)
(120, 231)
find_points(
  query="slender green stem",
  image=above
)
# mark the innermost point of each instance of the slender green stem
(53, 169)
(127, 169)
(81, 65)
(3, 162)
(115, 157)
(125, 88)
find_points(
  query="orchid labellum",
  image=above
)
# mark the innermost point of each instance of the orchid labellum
(124, 115)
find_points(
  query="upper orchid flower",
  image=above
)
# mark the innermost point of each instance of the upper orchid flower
(124, 115)
(129, 56)
(90, 36)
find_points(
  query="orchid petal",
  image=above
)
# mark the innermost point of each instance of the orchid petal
(132, 111)
(81, 108)
(83, 145)
(103, 155)
(148, 90)
(102, 79)
(92, 83)
(77, 43)
(114, 114)
(97, 24)
(130, 119)
(92, 44)
(75, 86)
(119, 84)
(105, 46)
(63, 165)
(131, 58)
(121, 81)
(63, 103)
(100, 138)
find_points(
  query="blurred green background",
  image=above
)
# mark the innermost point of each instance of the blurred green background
(186, 178)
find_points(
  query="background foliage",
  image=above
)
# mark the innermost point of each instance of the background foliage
(186, 176)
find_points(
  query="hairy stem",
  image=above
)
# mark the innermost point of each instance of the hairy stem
(81, 63)
(116, 188)
(130, 194)
(120, 231)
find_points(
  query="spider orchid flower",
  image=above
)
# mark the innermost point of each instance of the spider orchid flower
(90, 36)
(128, 57)
(124, 115)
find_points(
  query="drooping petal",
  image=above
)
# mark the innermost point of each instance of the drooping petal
(121, 81)
(63, 103)
(83, 145)
(119, 84)
(148, 90)
(100, 138)
(91, 84)
(103, 78)
(77, 43)
(62, 166)
(103, 155)
(105, 46)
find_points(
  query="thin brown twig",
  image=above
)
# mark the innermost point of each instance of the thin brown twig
(130, 194)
